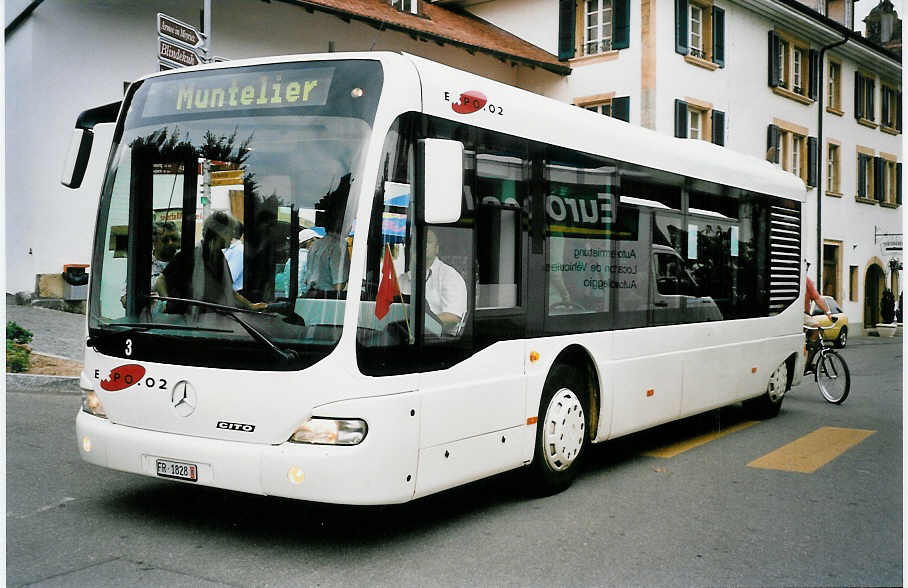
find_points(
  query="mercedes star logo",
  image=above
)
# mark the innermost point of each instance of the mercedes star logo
(183, 398)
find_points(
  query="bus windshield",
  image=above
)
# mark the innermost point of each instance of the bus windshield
(227, 215)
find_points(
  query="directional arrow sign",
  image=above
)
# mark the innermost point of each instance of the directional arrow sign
(177, 54)
(179, 31)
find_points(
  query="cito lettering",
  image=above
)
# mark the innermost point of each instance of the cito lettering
(267, 91)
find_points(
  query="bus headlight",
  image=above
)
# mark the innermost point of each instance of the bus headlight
(92, 404)
(322, 431)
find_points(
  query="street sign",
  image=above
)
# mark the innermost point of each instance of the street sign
(233, 177)
(179, 31)
(177, 54)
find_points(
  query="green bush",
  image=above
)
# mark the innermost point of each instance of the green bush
(16, 333)
(16, 357)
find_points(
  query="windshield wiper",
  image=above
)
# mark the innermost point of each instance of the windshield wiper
(133, 328)
(284, 355)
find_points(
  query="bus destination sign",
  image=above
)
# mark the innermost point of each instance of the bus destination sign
(234, 91)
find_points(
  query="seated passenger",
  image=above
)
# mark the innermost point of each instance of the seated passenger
(166, 242)
(202, 273)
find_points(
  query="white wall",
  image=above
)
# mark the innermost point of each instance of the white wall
(522, 18)
(69, 56)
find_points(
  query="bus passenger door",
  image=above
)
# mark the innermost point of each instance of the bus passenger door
(474, 405)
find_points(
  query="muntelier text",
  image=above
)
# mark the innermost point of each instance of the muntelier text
(267, 92)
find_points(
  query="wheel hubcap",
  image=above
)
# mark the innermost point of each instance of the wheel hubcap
(777, 381)
(564, 430)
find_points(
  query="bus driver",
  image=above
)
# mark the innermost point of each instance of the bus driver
(446, 290)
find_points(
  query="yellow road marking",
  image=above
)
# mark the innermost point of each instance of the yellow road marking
(812, 451)
(682, 446)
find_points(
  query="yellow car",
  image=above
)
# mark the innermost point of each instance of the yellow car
(838, 333)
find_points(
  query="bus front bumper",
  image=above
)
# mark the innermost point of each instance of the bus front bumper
(380, 470)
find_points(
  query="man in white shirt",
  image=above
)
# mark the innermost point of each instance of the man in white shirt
(234, 255)
(446, 291)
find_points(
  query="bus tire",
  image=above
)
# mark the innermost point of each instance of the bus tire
(562, 431)
(770, 403)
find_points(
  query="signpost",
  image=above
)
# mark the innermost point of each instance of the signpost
(176, 54)
(180, 44)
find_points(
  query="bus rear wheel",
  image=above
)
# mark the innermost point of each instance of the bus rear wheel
(561, 431)
(770, 403)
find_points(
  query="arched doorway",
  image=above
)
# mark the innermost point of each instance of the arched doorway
(874, 284)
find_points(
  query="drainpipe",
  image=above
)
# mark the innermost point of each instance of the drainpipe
(822, 84)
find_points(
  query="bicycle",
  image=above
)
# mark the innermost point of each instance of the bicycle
(829, 368)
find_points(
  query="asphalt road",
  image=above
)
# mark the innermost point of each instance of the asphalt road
(700, 518)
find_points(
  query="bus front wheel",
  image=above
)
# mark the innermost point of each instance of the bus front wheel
(561, 431)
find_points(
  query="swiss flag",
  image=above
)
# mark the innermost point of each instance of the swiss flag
(388, 287)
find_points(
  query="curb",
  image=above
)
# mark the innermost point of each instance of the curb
(42, 384)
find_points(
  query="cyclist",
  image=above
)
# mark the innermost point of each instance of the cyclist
(813, 334)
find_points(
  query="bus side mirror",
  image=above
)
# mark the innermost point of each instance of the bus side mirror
(77, 158)
(80, 146)
(441, 181)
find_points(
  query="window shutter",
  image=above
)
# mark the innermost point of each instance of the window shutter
(718, 36)
(772, 143)
(898, 184)
(681, 27)
(621, 23)
(680, 119)
(566, 24)
(862, 175)
(870, 96)
(878, 167)
(718, 127)
(898, 112)
(884, 115)
(774, 48)
(621, 108)
(813, 80)
(858, 95)
(812, 179)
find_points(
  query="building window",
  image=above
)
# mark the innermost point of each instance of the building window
(695, 119)
(797, 77)
(700, 33)
(832, 260)
(832, 169)
(864, 90)
(693, 123)
(834, 101)
(865, 176)
(891, 109)
(604, 108)
(782, 64)
(793, 67)
(405, 5)
(788, 146)
(597, 28)
(696, 31)
(853, 283)
(889, 181)
(607, 104)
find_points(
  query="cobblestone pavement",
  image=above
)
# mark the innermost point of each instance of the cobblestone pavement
(56, 332)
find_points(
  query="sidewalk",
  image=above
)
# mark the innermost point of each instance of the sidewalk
(57, 333)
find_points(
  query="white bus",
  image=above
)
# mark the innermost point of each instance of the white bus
(363, 278)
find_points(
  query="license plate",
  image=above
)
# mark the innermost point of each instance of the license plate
(177, 470)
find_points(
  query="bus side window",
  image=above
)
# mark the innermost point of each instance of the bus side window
(501, 189)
